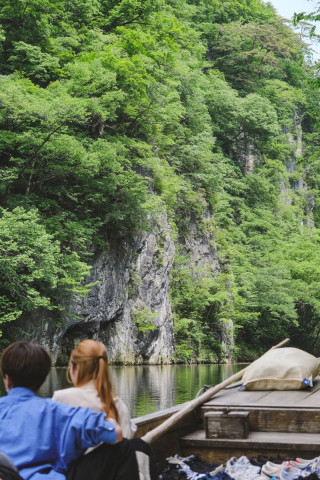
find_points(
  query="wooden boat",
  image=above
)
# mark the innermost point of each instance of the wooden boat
(285, 423)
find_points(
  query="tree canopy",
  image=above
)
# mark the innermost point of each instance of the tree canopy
(114, 110)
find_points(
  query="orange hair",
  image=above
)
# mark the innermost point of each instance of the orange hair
(91, 360)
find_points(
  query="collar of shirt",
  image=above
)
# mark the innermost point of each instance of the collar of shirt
(21, 392)
(88, 386)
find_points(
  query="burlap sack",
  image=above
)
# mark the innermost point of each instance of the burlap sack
(282, 369)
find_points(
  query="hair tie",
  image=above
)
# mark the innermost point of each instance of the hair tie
(100, 356)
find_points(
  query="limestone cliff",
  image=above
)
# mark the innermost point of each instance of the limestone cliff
(131, 280)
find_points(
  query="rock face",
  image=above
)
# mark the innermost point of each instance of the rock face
(128, 307)
(245, 154)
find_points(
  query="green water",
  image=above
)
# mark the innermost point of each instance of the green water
(146, 389)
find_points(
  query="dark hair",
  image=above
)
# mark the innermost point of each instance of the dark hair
(26, 363)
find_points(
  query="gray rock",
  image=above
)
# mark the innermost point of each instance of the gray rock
(128, 308)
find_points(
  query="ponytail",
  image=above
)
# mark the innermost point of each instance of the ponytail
(91, 359)
(104, 387)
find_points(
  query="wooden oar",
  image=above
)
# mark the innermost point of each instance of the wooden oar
(171, 421)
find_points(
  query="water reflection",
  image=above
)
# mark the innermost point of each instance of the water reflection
(146, 389)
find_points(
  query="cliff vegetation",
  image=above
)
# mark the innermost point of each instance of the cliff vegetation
(115, 113)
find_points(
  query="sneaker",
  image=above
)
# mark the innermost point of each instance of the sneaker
(234, 465)
(197, 464)
(303, 460)
(262, 459)
(243, 470)
(230, 465)
(292, 473)
(312, 465)
(217, 470)
(183, 468)
(271, 469)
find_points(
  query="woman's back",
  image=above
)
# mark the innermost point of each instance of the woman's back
(89, 372)
(87, 396)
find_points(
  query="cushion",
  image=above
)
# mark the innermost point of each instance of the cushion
(282, 369)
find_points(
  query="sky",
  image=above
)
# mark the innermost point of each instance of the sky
(286, 8)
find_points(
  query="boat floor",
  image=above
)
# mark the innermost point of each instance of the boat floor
(281, 423)
(295, 399)
(285, 423)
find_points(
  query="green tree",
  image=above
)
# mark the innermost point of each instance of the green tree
(34, 270)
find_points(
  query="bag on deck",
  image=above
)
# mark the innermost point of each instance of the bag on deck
(282, 369)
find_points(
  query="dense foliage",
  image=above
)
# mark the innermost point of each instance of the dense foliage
(112, 109)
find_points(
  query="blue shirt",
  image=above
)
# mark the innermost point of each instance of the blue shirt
(42, 437)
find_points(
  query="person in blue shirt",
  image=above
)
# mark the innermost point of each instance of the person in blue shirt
(47, 440)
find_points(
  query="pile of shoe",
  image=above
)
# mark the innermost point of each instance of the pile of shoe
(292, 470)
(191, 468)
(242, 469)
(263, 468)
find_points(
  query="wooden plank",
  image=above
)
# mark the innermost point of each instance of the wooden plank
(313, 399)
(283, 398)
(229, 398)
(273, 398)
(256, 440)
(312, 402)
(276, 420)
(279, 420)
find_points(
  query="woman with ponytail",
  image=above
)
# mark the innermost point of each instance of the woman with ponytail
(89, 372)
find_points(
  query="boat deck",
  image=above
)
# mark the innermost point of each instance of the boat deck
(232, 396)
(284, 423)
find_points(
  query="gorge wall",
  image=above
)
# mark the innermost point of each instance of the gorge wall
(131, 282)
(128, 307)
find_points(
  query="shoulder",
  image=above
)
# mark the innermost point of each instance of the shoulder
(69, 410)
(79, 397)
(121, 406)
(65, 394)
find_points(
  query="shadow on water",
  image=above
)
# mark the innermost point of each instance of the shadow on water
(146, 389)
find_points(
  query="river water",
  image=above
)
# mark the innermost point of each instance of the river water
(146, 389)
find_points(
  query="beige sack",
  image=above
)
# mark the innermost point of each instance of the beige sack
(282, 369)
